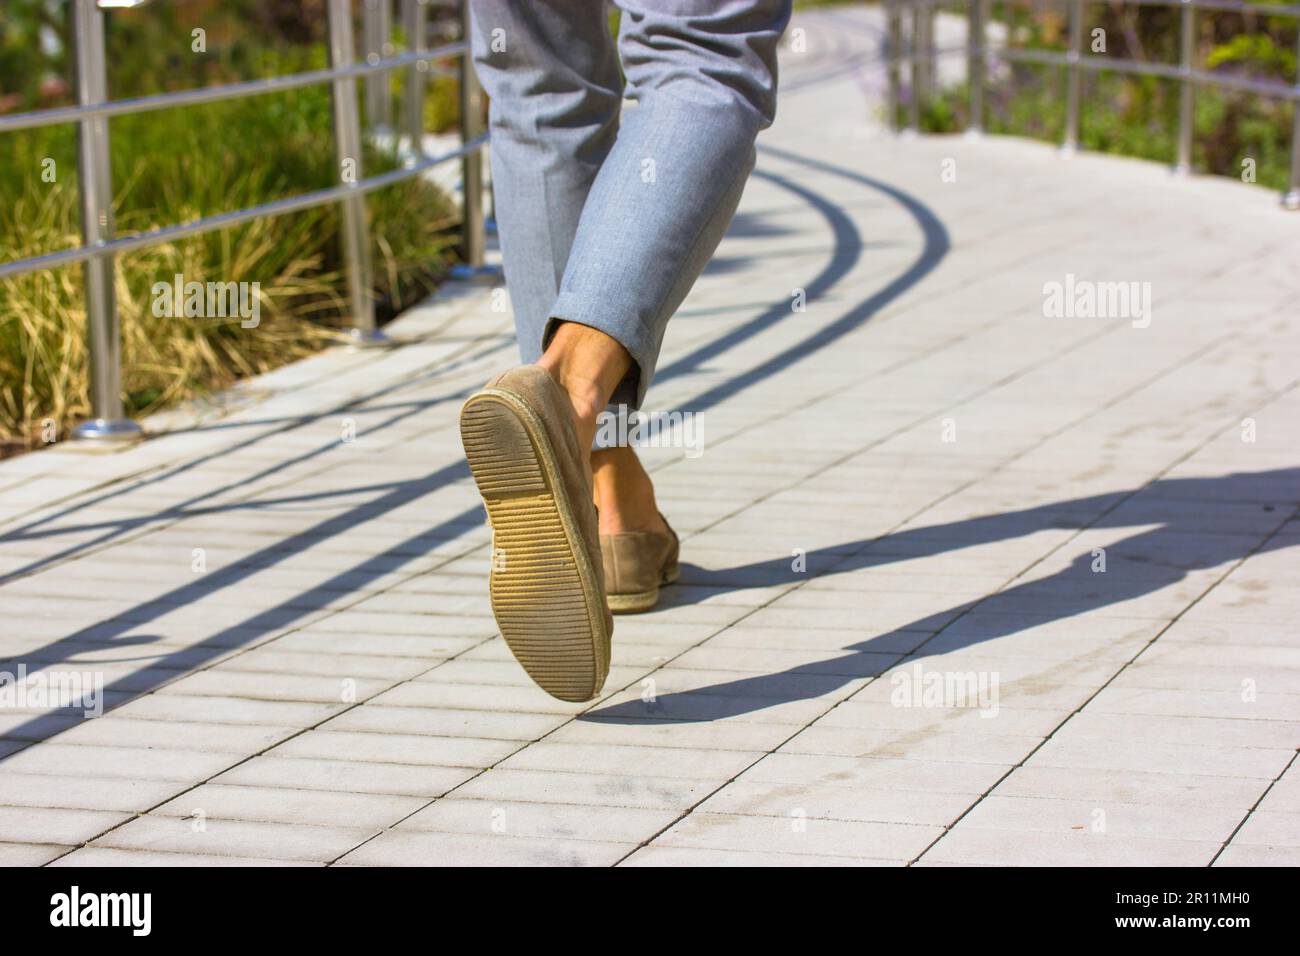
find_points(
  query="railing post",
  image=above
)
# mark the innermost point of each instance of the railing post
(975, 67)
(95, 185)
(1073, 79)
(415, 23)
(347, 147)
(471, 165)
(376, 38)
(929, 71)
(893, 67)
(915, 54)
(1186, 121)
(1292, 198)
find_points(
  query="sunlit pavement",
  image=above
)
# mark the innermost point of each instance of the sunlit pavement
(974, 573)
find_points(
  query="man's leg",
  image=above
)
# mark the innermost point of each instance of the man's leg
(555, 97)
(703, 77)
(551, 73)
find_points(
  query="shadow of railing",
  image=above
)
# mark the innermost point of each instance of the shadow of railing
(1135, 567)
(845, 253)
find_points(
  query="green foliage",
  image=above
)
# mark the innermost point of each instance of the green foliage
(25, 66)
(1137, 115)
(1257, 49)
(176, 166)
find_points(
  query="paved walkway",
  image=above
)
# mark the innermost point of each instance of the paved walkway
(893, 642)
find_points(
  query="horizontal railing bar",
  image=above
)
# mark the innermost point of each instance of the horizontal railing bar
(933, 54)
(1074, 59)
(228, 91)
(225, 220)
(1217, 6)
(1171, 71)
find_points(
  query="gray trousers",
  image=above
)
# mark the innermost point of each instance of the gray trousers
(608, 215)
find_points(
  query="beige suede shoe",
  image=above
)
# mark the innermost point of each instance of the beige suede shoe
(547, 584)
(637, 563)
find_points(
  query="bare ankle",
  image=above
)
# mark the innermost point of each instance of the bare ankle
(588, 365)
(623, 492)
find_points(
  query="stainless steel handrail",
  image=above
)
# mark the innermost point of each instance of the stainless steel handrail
(99, 246)
(232, 91)
(979, 53)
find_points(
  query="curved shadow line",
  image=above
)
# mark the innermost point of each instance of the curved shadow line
(185, 508)
(841, 63)
(849, 249)
(1073, 590)
(118, 528)
(183, 660)
(846, 254)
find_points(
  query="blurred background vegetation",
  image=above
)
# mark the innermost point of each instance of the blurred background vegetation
(175, 165)
(1138, 115)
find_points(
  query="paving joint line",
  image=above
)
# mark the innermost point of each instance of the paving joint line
(298, 732)
(1159, 633)
(1115, 400)
(147, 529)
(1253, 807)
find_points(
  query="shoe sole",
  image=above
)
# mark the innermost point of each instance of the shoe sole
(642, 600)
(545, 595)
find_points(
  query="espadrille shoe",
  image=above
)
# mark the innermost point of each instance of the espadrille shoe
(547, 584)
(637, 563)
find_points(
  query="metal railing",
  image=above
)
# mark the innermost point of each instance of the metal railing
(94, 108)
(919, 53)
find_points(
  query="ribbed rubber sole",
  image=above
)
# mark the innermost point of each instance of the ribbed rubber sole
(544, 594)
(641, 600)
